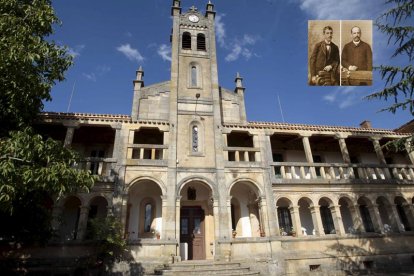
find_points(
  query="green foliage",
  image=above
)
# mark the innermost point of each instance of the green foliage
(107, 232)
(29, 64)
(29, 163)
(399, 80)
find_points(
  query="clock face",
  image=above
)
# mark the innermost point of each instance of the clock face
(193, 18)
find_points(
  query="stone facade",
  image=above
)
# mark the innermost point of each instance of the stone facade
(191, 178)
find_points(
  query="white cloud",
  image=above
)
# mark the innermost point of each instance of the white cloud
(91, 76)
(76, 51)
(130, 53)
(332, 9)
(100, 70)
(330, 97)
(345, 96)
(239, 47)
(164, 51)
(220, 30)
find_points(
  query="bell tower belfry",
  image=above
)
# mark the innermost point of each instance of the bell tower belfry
(194, 98)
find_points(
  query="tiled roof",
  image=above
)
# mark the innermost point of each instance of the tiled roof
(286, 126)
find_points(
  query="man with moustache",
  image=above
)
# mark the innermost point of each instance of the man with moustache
(357, 55)
(325, 57)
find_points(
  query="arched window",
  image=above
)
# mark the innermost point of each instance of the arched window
(186, 44)
(148, 218)
(193, 76)
(201, 42)
(195, 139)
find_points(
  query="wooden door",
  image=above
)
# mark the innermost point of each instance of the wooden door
(192, 231)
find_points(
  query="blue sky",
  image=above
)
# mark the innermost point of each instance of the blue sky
(264, 40)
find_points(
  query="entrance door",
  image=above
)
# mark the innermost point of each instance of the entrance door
(192, 231)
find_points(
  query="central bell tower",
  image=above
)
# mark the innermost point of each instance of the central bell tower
(194, 98)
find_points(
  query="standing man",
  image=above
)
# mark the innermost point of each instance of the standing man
(325, 58)
(357, 55)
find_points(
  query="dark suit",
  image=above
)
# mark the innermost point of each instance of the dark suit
(321, 58)
(358, 55)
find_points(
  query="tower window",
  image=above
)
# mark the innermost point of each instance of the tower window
(186, 41)
(201, 42)
(195, 139)
(148, 217)
(193, 76)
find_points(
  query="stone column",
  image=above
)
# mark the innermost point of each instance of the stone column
(123, 206)
(337, 219)
(229, 228)
(308, 153)
(294, 215)
(380, 156)
(164, 213)
(376, 218)
(83, 222)
(317, 220)
(342, 145)
(116, 152)
(177, 218)
(264, 222)
(70, 131)
(216, 218)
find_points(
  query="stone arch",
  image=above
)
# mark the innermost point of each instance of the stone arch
(70, 217)
(305, 203)
(143, 190)
(403, 211)
(98, 207)
(325, 204)
(284, 207)
(148, 178)
(202, 179)
(348, 214)
(385, 211)
(248, 194)
(253, 184)
(367, 213)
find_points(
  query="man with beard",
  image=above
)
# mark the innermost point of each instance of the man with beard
(325, 58)
(357, 55)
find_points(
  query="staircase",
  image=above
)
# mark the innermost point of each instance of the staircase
(205, 268)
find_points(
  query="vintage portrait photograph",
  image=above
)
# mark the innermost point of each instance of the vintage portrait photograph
(356, 52)
(339, 52)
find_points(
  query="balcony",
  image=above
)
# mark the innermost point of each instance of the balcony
(147, 155)
(242, 156)
(302, 172)
(102, 167)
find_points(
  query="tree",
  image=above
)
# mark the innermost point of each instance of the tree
(33, 169)
(29, 64)
(399, 80)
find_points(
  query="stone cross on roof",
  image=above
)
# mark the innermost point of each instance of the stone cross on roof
(193, 8)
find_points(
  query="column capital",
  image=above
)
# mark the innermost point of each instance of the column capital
(116, 126)
(340, 135)
(374, 138)
(71, 124)
(304, 134)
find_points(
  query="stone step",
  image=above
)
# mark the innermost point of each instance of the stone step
(205, 268)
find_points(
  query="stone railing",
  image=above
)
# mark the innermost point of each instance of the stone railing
(341, 171)
(99, 166)
(241, 154)
(147, 151)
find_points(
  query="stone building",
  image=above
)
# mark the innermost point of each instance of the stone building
(191, 178)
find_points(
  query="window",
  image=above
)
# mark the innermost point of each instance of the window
(366, 218)
(96, 166)
(327, 220)
(148, 218)
(201, 42)
(193, 76)
(195, 139)
(186, 44)
(285, 220)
